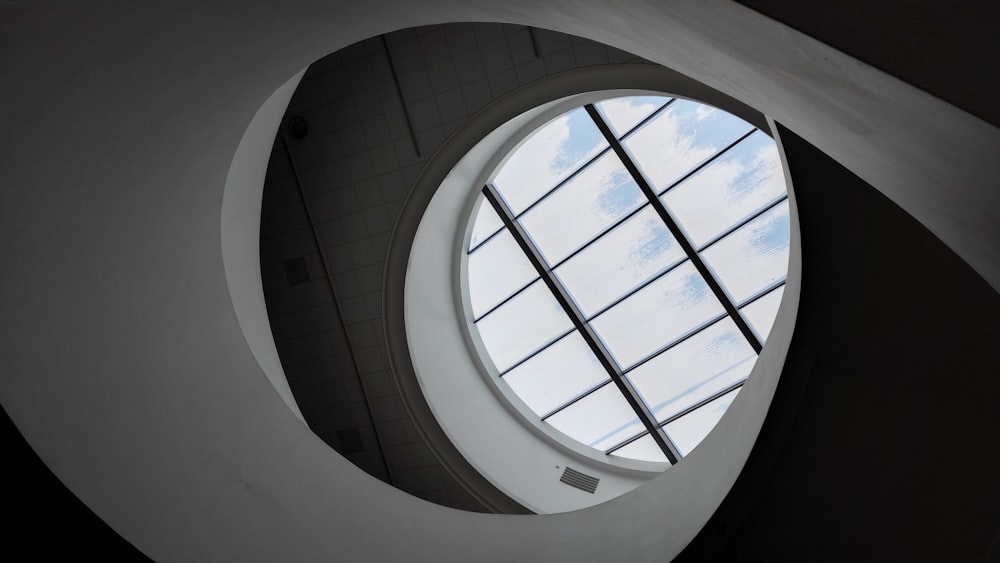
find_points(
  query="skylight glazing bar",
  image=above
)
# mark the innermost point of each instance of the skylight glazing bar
(684, 412)
(688, 410)
(678, 341)
(506, 300)
(600, 235)
(743, 222)
(647, 119)
(624, 443)
(575, 399)
(590, 337)
(763, 293)
(707, 161)
(638, 288)
(484, 241)
(543, 348)
(675, 228)
(564, 181)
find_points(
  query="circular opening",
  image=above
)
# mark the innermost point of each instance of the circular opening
(623, 268)
(464, 388)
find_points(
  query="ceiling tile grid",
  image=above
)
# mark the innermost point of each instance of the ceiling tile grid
(356, 165)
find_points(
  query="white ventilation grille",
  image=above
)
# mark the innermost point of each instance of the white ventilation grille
(574, 478)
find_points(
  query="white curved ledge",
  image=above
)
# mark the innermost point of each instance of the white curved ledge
(241, 236)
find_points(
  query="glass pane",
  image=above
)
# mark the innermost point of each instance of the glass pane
(619, 261)
(657, 314)
(753, 256)
(622, 114)
(547, 157)
(733, 187)
(599, 420)
(679, 138)
(578, 211)
(688, 431)
(760, 314)
(487, 223)
(522, 325)
(706, 363)
(644, 449)
(497, 269)
(556, 375)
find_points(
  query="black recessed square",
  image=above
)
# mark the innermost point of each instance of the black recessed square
(296, 271)
(350, 441)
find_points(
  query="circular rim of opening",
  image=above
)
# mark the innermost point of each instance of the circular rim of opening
(594, 82)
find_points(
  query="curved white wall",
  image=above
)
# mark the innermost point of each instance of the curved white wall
(240, 231)
(124, 363)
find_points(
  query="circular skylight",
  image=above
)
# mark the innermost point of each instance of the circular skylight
(625, 265)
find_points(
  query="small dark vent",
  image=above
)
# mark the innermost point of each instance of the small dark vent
(350, 441)
(296, 271)
(574, 478)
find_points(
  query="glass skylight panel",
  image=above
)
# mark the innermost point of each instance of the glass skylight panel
(698, 367)
(688, 431)
(679, 138)
(497, 269)
(622, 114)
(657, 314)
(644, 449)
(753, 256)
(487, 222)
(730, 188)
(658, 323)
(594, 199)
(547, 157)
(761, 313)
(522, 325)
(599, 420)
(556, 375)
(621, 260)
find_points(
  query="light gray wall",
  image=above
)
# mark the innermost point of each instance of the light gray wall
(125, 366)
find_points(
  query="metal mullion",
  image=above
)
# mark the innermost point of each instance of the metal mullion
(704, 402)
(638, 288)
(743, 222)
(762, 292)
(563, 182)
(484, 241)
(678, 415)
(625, 442)
(588, 334)
(543, 348)
(675, 230)
(648, 118)
(600, 235)
(505, 300)
(576, 398)
(678, 341)
(701, 166)
(705, 325)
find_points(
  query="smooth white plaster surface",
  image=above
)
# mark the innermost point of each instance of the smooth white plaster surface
(241, 202)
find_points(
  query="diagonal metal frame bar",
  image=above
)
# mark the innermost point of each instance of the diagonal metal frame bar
(682, 413)
(579, 322)
(327, 272)
(675, 229)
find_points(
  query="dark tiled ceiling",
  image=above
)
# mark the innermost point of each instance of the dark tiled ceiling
(356, 166)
